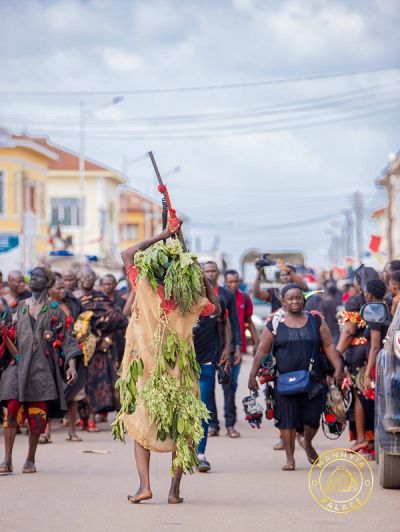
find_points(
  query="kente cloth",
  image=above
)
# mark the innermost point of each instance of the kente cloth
(45, 347)
(35, 412)
(148, 309)
(107, 321)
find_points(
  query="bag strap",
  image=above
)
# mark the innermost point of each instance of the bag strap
(314, 351)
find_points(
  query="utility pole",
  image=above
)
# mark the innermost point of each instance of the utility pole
(359, 214)
(349, 232)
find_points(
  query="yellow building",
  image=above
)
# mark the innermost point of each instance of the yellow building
(96, 233)
(23, 206)
(140, 217)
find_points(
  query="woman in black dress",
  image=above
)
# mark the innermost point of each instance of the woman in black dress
(299, 336)
(359, 345)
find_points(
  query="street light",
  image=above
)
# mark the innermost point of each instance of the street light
(85, 114)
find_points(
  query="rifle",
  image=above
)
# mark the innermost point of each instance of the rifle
(166, 202)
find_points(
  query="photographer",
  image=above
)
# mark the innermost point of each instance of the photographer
(287, 275)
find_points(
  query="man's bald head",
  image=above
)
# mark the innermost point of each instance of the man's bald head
(70, 279)
(16, 283)
(88, 278)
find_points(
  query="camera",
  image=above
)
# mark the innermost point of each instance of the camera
(223, 376)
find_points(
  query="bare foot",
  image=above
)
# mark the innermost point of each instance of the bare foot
(28, 467)
(140, 496)
(359, 446)
(172, 499)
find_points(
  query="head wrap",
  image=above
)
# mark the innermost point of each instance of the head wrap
(290, 286)
(363, 274)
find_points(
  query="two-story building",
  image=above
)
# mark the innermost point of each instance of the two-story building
(23, 201)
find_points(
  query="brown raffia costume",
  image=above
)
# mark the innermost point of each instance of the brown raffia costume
(147, 313)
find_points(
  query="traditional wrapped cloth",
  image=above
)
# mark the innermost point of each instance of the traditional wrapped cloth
(45, 348)
(149, 309)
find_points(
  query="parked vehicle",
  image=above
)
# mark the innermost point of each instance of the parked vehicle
(387, 401)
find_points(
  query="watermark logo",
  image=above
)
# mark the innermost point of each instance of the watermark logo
(340, 481)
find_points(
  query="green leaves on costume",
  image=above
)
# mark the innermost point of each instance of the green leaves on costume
(128, 393)
(176, 411)
(178, 349)
(177, 270)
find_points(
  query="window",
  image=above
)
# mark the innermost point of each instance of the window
(131, 231)
(65, 211)
(2, 192)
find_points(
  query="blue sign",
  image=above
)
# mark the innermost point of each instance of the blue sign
(8, 242)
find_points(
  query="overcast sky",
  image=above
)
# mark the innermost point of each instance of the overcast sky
(266, 161)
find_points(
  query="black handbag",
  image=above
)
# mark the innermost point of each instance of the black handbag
(294, 382)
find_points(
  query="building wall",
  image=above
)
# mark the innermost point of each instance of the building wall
(132, 218)
(101, 209)
(25, 209)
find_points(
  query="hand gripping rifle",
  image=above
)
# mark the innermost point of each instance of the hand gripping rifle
(166, 202)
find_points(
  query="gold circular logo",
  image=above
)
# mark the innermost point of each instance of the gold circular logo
(340, 481)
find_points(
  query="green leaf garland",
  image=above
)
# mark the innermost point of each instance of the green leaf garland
(177, 270)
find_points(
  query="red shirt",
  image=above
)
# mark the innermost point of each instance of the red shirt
(168, 305)
(245, 312)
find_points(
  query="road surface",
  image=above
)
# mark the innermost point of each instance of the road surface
(75, 491)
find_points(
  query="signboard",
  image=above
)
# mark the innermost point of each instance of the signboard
(8, 242)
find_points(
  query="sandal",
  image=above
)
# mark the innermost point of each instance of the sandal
(232, 432)
(311, 453)
(73, 438)
(29, 467)
(288, 467)
(212, 432)
(45, 439)
(5, 468)
(92, 427)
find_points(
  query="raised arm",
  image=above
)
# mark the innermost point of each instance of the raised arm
(128, 255)
(264, 295)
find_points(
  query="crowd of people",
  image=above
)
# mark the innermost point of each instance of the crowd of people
(62, 343)
(324, 334)
(75, 348)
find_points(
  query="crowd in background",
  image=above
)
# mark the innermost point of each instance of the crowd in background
(78, 322)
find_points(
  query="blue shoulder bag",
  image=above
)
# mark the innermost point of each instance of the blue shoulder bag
(299, 381)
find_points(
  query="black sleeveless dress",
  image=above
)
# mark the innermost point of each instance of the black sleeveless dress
(293, 348)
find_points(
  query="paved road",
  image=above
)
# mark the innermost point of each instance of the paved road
(78, 492)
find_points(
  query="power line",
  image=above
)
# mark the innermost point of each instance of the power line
(251, 227)
(331, 101)
(232, 132)
(197, 88)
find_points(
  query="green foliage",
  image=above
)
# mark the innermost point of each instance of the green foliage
(178, 270)
(128, 394)
(176, 411)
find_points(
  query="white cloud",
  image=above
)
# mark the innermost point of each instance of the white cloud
(122, 61)
(98, 44)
